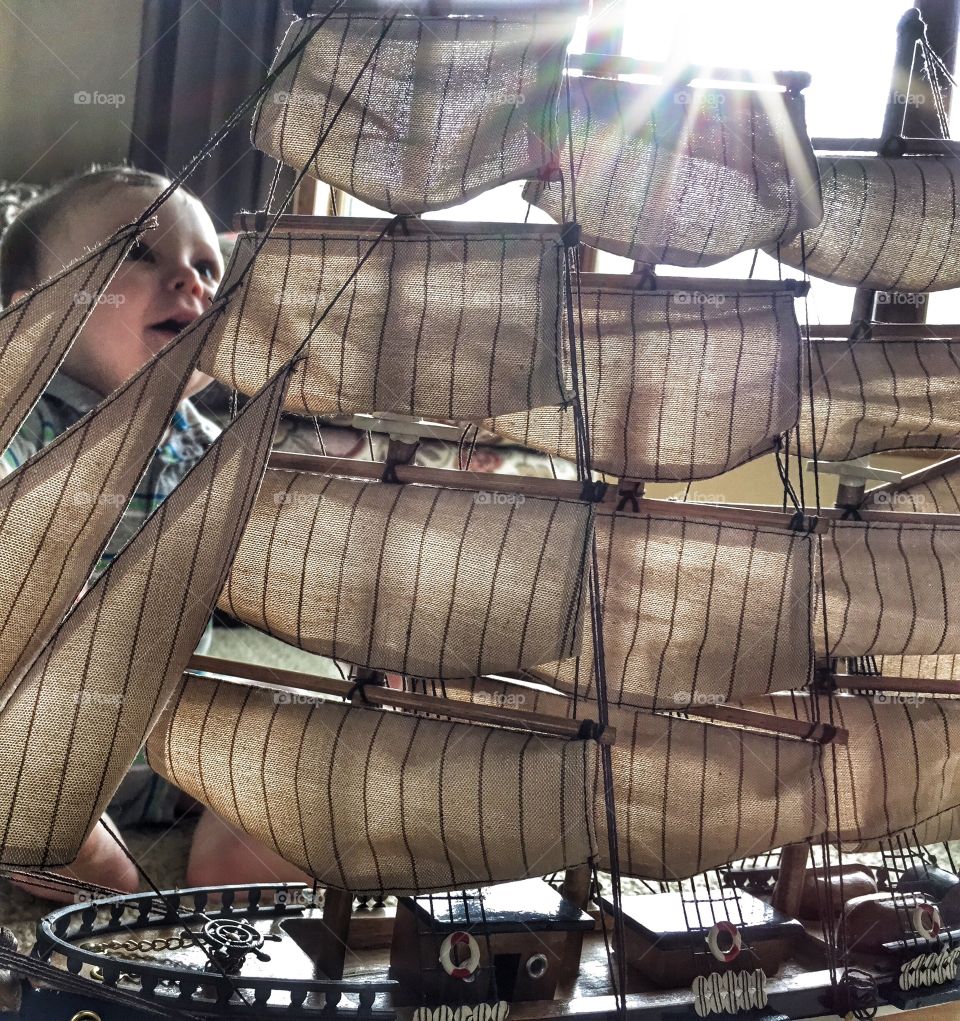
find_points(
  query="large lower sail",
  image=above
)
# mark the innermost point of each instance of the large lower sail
(58, 511)
(684, 382)
(36, 332)
(445, 320)
(78, 716)
(690, 796)
(448, 107)
(889, 223)
(369, 800)
(429, 581)
(696, 609)
(684, 176)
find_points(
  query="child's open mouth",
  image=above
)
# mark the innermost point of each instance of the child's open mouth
(171, 327)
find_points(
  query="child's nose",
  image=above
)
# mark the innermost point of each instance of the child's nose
(187, 279)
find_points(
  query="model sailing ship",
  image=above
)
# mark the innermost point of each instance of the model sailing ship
(695, 697)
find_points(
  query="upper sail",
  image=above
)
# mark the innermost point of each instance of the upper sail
(695, 610)
(440, 319)
(77, 718)
(889, 588)
(37, 331)
(881, 394)
(683, 176)
(430, 581)
(374, 801)
(889, 223)
(58, 511)
(447, 107)
(682, 382)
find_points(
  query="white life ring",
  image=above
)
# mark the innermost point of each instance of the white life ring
(732, 933)
(465, 970)
(927, 921)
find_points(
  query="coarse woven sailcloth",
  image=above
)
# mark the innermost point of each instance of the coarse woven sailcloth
(695, 610)
(927, 668)
(58, 511)
(680, 384)
(688, 796)
(36, 332)
(688, 176)
(425, 580)
(447, 107)
(371, 800)
(889, 223)
(455, 322)
(81, 712)
(933, 492)
(890, 589)
(874, 395)
(899, 772)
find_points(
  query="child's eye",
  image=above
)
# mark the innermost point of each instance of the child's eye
(207, 269)
(139, 252)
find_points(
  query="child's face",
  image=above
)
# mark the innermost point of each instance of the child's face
(165, 283)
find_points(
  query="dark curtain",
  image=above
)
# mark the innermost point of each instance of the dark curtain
(199, 60)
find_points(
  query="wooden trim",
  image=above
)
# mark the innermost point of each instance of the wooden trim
(605, 65)
(391, 698)
(475, 482)
(414, 226)
(917, 685)
(919, 477)
(705, 285)
(822, 733)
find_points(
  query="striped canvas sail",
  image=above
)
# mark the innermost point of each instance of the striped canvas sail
(888, 223)
(681, 384)
(81, 712)
(889, 589)
(684, 176)
(374, 801)
(695, 611)
(442, 320)
(58, 511)
(689, 796)
(37, 331)
(899, 773)
(436, 582)
(448, 107)
(876, 395)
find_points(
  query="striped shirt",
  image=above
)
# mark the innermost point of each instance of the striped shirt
(66, 401)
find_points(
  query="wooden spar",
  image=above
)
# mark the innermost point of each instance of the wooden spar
(917, 478)
(828, 514)
(905, 146)
(887, 331)
(606, 65)
(702, 285)
(352, 226)
(822, 733)
(480, 482)
(390, 698)
(914, 685)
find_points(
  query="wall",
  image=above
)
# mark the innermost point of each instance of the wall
(68, 72)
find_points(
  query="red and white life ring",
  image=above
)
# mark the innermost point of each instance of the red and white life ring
(466, 969)
(732, 934)
(927, 921)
